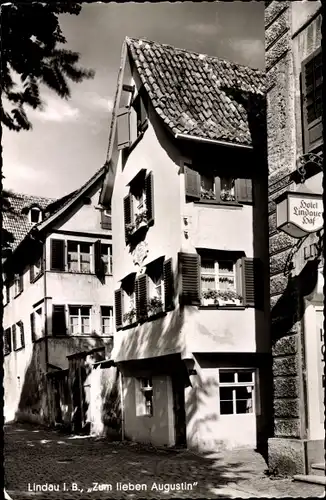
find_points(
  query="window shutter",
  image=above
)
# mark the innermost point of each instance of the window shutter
(149, 193)
(14, 338)
(128, 212)
(21, 282)
(189, 269)
(98, 258)
(22, 335)
(123, 128)
(118, 302)
(106, 222)
(243, 190)
(252, 282)
(57, 255)
(59, 326)
(33, 332)
(218, 188)
(31, 274)
(312, 80)
(7, 343)
(192, 183)
(168, 285)
(141, 296)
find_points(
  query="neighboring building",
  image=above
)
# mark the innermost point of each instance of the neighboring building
(187, 184)
(58, 300)
(294, 127)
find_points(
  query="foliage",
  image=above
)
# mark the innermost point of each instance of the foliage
(226, 195)
(154, 305)
(140, 217)
(227, 295)
(207, 194)
(130, 316)
(31, 54)
(130, 228)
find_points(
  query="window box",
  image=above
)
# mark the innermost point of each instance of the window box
(154, 306)
(130, 317)
(221, 298)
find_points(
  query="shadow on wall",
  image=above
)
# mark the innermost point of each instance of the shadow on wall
(111, 413)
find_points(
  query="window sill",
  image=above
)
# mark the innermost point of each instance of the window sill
(19, 293)
(226, 307)
(158, 315)
(7, 353)
(219, 203)
(37, 277)
(19, 348)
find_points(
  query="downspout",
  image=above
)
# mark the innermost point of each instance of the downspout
(45, 309)
(122, 408)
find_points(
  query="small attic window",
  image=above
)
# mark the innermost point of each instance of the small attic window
(35, 215)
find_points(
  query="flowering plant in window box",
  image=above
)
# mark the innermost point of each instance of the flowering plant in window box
(130, 228)
(154, 306)
(207, 194)
(141, 218)
(221, 297)
(130, 316)
(227, 195)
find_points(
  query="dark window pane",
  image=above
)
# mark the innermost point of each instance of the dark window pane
(244, 406)
(85, 311)
(245, 376)
(243, 392)
(74, 311)
(226, 407)
(226, 376)
(226, 393)
(85, 247)
(72, 246)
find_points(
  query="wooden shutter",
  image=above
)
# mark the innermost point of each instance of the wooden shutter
(57, 255)
(59, 326)
(252, 282)
(243, 190)
(7, 342)
(189, 270)
(192, 183)
(98, 258)
(168, 285)
(31, 273)
(141, 296)
(33, 332)
(128, 212)
(149, 193)
(14, 338)
(118, 303)
(106, 220)
(22, 334)
(21, 282)
(311, 73)
(123, 128)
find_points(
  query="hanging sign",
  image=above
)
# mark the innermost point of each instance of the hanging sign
(299, 214)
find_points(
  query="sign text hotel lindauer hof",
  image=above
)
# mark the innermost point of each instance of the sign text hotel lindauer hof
(306, 212)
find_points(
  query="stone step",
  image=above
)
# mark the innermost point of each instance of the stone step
(310, 478)
(318, 469)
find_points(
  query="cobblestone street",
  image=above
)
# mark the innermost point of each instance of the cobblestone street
(36, 459)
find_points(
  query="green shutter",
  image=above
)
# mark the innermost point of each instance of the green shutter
(189, 273)
(149, 194)
(118, 306)
(168, 285)
(192, 183)
(123, 128)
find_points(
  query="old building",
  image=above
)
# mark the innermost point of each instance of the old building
(295, 158)
(58, 301)
(187, 186)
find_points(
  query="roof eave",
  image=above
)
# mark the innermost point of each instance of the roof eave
(211, 141)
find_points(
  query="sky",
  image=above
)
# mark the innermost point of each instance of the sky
(69, 139)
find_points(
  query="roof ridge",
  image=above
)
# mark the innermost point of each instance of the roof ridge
(206, 56)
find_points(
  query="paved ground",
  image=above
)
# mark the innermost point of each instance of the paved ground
(87, 468)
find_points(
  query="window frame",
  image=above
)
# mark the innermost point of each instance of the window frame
(18, 284)
(79, 253)
(7, 345)
(104, 317)
(80, 319)
(39, 212)
(144, 397)
(19, 333)
(217, 273)
(109, 263)
(234, 385)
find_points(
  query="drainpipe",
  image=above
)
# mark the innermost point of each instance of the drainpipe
(122, 408)
(45, 308)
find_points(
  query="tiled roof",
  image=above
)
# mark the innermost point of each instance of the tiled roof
(15, 220)
(193, 93)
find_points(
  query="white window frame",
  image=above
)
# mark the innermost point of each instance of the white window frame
(234, 385)
(224, 191)
(38, 270)
(80, 317)
(144, 397)
(109, 263)
(18, 333)
(110, 318)
(216, 273)
(39, 321)
(91, 256)
(17, 284)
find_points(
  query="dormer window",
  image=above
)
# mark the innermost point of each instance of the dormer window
(35, 215)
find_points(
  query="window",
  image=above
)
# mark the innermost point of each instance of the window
(139, 203)
(131, 122)
(236, 389)
(6, 294)
(35, 215)
(106, 219)
(37, 324)
(80, 320)
(312, 102)
(141, 115)
(7, 341)
(18, 337)
(144, 397)
(79, 257)
(155, 271)
(210, 188)
(36, 269)
(218, 281)
(107, 320)
(59, 326)
(18, 284)
(106, 256)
